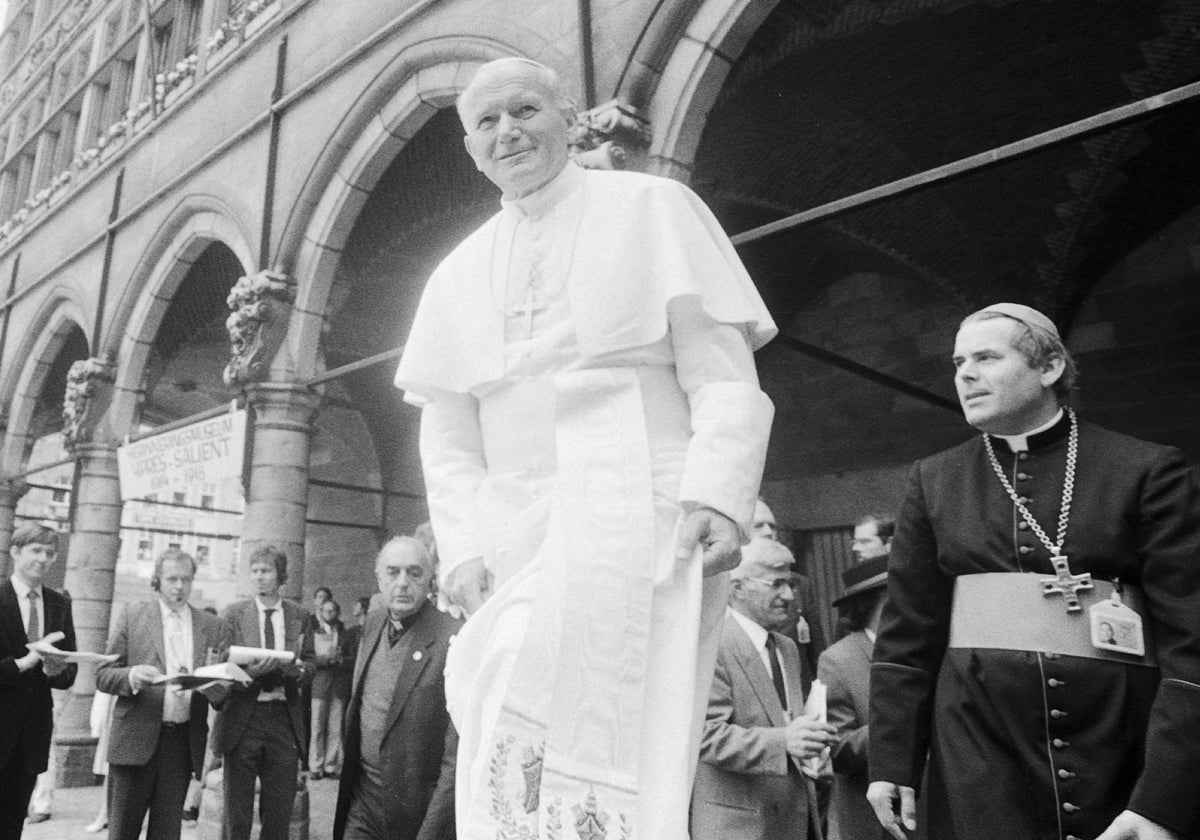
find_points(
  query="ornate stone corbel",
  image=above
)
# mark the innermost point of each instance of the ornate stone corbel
(260, 303)
(610, 136)
(86, 400)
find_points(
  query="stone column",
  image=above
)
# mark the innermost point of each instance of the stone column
(277, 500)
(8, 509)
(92, 548)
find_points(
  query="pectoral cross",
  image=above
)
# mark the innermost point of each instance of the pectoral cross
(528, 307)
(1064, 583)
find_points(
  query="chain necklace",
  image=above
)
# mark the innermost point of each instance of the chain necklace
(1064, 583)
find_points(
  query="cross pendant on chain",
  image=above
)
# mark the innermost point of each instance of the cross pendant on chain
(528, 307)
(1064, 583)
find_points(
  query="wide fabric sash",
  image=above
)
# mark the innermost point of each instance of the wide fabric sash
(1007, 611)
(561, 759)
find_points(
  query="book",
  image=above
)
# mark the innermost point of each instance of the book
(205, 675)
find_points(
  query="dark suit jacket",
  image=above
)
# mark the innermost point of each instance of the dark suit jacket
(137, 639)
(26, 708)
(418, 749)
(744, 789)
(235, 712)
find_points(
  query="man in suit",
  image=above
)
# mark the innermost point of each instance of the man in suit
(398, 778)
(158, 734)
(28, 611)
(749, 784)
(260, 727)
(873, 536)
(845, 668)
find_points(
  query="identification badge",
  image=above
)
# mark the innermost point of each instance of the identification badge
(803, 634)
(1116, 627)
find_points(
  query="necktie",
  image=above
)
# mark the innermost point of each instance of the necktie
(776, 671)
(31, 632)
(268, 629)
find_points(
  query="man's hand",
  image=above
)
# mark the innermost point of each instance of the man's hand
(1131, 826)
(883, 796)
(719, 536)
(141, 676)
(262, 666)
(807, 737)
(28, 661)
(469, 585)
(53, 665)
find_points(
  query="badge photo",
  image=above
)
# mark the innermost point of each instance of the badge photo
(1118, 628)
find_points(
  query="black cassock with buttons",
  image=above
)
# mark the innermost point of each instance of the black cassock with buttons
(1036, 745)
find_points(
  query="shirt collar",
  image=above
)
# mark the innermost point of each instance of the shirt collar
(22, 589)
(757, 633)
(263, 607)
(540, 201)
(167, 612)
(1020, 443)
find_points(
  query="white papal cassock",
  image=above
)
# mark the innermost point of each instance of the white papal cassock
(584, 365)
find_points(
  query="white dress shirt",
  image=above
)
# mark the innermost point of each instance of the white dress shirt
(177, 648)
(22, 590)
(277, 625)
(758, 636)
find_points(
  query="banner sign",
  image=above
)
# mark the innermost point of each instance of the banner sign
(205, 452)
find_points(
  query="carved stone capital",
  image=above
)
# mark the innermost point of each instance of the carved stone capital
(86, 400)
(261, 303)
(610, 136)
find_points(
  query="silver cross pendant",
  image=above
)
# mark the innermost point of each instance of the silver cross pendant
(1064, 583)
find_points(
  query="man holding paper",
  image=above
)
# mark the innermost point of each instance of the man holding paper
(750, 784)
(260, 728)
(28, 613)
(159, 730)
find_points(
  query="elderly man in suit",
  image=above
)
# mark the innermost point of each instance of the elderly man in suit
(260, 728)
(749, 785)
(398, 778)
(158, 733)
(28, 612)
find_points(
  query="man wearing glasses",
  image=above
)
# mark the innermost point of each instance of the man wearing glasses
(158, 733)
(749, 783)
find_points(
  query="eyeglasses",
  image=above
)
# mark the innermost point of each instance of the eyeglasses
(777, 584)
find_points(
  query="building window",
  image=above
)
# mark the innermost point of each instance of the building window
(143, 550)
(180, 497)
(203, 553)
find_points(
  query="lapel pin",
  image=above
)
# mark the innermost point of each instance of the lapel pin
(416, 656)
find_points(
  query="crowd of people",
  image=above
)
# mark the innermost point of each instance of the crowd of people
(634, 652)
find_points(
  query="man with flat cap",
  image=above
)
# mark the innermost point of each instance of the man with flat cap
(1011, 550)
(592, 440)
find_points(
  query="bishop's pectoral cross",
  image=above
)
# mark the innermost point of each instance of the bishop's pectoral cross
(530, 305)
(1064, 583)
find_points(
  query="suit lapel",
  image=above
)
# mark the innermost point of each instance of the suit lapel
(11, 611)
(420, 638)
(251, 632)
(748, 658)
(367, 645)
(152, 623)
(199, 642)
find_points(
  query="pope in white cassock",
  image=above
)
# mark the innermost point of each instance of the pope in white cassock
(593, 438)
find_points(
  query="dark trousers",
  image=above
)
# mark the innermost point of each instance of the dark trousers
(16, 786)
(158, 786)
(268, 752)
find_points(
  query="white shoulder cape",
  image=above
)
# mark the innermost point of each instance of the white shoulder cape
(644, 241)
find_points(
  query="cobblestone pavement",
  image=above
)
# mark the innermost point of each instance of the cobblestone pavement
(75, 808)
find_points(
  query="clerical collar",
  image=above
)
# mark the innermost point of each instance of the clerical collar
(405, 623)
(1037, 437)
(541, 200)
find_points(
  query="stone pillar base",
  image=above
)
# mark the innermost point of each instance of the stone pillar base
(75, 757)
